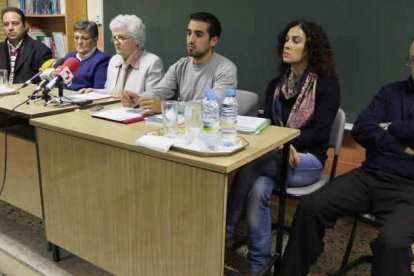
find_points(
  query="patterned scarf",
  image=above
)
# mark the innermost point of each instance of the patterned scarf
(304, 106)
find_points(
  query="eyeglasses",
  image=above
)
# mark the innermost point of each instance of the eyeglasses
(82, 38)
(119, 39)
(409, 62)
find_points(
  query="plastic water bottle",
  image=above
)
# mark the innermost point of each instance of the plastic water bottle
(210, 116)
(228, 135)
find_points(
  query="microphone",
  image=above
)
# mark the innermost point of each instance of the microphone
(58, 62)
(47, 64)
(47, 75)
(63, 73)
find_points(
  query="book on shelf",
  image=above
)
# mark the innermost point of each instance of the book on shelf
(39, 35)
(35, 32)
(62, 6)
(42, 6)
(251, 125)
(55, 41)
(53, 48)
(59, 39)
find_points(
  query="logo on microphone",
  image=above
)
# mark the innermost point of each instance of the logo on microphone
(65, 73)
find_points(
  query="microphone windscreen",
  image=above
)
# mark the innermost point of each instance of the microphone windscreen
(73, 64)
(58, 62)
(47, 64)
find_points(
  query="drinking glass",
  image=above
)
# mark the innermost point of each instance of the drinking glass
(169, 118)
(4, 80)
(192, 120)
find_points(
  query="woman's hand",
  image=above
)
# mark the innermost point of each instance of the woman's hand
(293, 157)
(130, 99)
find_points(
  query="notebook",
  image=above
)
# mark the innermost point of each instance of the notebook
(251, 125)
(121, 115)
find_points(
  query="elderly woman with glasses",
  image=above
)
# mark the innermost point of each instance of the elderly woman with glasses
(94, 63)
(132, 69)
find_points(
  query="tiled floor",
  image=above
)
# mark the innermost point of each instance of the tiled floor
(335, 243)
(23, 249)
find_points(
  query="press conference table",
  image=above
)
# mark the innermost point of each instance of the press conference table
(22, 182)
(131, 210)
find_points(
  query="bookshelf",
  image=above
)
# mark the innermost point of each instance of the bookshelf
(3, 4)
(75, 10)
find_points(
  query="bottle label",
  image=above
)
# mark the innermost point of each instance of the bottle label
(228, 122)
(210, 126)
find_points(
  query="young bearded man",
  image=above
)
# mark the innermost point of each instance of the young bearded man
(189, 77)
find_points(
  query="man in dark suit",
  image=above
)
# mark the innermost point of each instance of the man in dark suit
(19, 53)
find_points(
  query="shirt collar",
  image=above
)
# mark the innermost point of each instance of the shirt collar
(88, 55)
(12, 47)
(136, 58)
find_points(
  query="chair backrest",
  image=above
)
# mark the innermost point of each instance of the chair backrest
(248, 102)
(335, 138)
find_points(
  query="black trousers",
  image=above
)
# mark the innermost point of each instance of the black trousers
(389, 197)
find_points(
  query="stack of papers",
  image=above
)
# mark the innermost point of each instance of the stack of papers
(158, 143)
(121, 115)
(89, 96)
(251, 125)
(6, 91)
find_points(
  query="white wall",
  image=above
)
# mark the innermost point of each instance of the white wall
(95, 11)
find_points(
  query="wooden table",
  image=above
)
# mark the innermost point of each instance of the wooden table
(131, 210)
(22, 181)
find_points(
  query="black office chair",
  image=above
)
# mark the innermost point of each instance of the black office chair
(345, 266)
(335, 142)
(248, 103)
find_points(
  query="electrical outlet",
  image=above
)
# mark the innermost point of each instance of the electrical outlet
(98, 19)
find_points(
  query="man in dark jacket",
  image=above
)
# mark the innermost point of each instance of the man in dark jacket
(19, 53)
(382, 186)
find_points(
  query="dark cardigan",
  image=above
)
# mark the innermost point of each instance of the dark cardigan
(385, 150)
(314, 135)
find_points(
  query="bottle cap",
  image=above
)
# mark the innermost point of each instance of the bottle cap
(210, 94)
(231, 92)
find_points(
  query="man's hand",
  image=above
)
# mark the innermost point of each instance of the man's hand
(130, 99)
(293, 157)
(409, 151)
(151, 105)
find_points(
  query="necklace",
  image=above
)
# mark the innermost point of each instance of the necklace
(291, 82)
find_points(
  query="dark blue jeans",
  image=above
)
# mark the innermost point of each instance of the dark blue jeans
(252, 189)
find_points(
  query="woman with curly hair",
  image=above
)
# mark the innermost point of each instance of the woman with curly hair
(305, 95)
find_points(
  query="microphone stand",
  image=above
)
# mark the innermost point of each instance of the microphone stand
(46, 96)
(59, 99)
